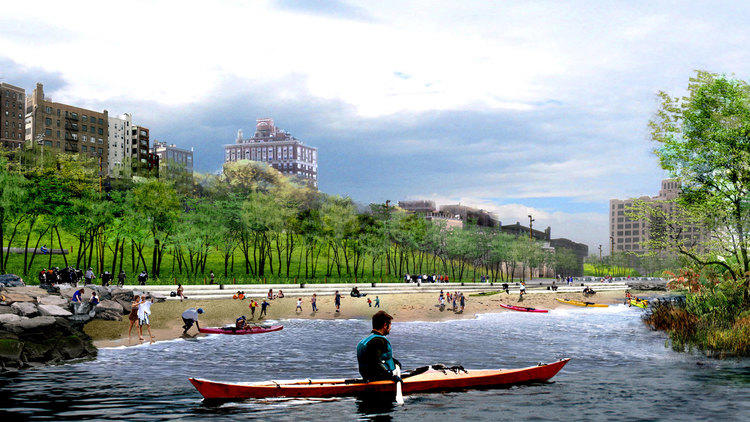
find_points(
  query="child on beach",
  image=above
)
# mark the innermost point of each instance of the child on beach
(377, 302)
(253, 305)
(314, 302)
(263, 307)
(299, 305)
(369, 302)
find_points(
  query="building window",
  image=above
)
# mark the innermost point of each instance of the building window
(47, 132)
(84, 118)
(84, 148)
(84, 128)
(101, 131)
(47, 121)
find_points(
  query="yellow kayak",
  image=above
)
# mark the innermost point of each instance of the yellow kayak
(579, 303)
(641, 303)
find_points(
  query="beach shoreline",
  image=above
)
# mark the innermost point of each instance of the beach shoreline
(404, 307)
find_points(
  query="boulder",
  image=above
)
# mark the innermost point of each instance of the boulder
(54, 300)
(158, 297)
(8, 318)
(29, 324)
(109, 310)
(125, 305)
(26, 309)
(10, 351)
(101, 291)
(6, 310)
(11, 297)
(11, 280)
(53, 310)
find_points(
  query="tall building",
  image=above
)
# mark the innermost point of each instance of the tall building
(12, 102)
(119, 141)
(143, 162)
(173, 160)
(628, 235)
(279, 149)
(67, 128)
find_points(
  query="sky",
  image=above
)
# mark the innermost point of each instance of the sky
(533, 107)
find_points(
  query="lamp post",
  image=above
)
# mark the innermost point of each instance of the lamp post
(612, 245)
(40, 140)
(531, 222)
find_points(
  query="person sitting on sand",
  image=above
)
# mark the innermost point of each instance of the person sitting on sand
(374, 353)
(281, 294)
(270, 295)
(190, 317)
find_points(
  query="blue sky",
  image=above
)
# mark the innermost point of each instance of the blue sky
(515, 107)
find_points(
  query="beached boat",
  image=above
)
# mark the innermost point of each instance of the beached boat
(579, 303)
(234, 331)
(523, 309)
(430, 380)
(641, 303)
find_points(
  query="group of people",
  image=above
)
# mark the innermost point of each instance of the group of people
(140, 312)
(425, 278)
(456, 299)
(72, 275)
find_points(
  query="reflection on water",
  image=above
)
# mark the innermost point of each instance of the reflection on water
(620, 370)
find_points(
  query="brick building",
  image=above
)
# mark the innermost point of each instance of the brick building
(12, 103)
(279, 149)
(173, 160)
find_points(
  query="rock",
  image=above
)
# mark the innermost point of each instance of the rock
(158, 297)
(54, 300)
(10, 351)
(80, 319)
(109, 310)
(6, 310)
(26, 309)
(16, 297)
(53, 310)
(125, 305)
(101, 291)
(27, 290)
(11, 280)
(9, 318)
(29, 324)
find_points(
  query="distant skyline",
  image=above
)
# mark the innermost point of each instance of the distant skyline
(527, 108)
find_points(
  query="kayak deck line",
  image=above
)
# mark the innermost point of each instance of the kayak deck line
(431, 380)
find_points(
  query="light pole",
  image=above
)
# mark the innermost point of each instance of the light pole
(600, 252)
(40, 140)
(612, 245)
(531, 222)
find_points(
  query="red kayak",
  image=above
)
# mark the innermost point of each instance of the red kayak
(430, 380)
(523, 309)
(234, 331)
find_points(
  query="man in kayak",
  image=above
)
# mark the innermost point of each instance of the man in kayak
(240, 323)
(190, 317)
(374, 352)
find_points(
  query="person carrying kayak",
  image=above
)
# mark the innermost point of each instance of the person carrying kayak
(190, 317)
(375, 354)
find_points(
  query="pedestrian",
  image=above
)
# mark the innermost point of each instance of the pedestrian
(299, 305)
(463, 302)
(144, 312)
(369, 302)
(454, 303)
(142, 278)
(121, 278)
(522, 291)
(377, 302)
(180, 292)
(253, 305)
(263, 307)
(337, 301)
(314, 302)
(88, 276)
(211, 276)
(190, 317)
(133, 317)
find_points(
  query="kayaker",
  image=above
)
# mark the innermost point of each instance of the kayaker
(241, 323)
(375, 354)
(190, 317)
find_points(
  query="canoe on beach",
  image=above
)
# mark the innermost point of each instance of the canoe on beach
(523, 309)
(579, 303)
(233, 331)
(430, 380)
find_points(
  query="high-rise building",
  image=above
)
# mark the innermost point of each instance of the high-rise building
(173, 161)
(627, 235)
(67, 128)
(12, 102)
(279, 149)
(119, 141)
(144, 163)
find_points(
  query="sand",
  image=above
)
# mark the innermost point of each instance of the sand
(167, 322)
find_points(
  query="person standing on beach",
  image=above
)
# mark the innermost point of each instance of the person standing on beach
(377, 301)
(337, 301)
(522, 289)
(180, 292)
(314, 302)
(144, 312)
(369, 302)
(253, 305)
(299, 305)
(463, 302)
(133, 317)
(190, 317)
(263, 307)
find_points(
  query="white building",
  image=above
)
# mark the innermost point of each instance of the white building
(119, 140)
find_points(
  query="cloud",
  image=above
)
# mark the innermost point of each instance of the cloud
(330, 8)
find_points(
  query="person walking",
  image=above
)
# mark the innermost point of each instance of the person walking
(144, 312)
(133, 316)
(377, 301)
(253, 305)
(88, 277)
(463, 302)
(299, 305)
(337, 301)
(121, 278)
(180, 292)
(522, 291)
(314, 302)
(263, 308)
(369, 302)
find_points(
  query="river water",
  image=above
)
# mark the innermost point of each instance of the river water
(619, 370)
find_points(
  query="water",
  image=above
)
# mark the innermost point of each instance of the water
(620, 370)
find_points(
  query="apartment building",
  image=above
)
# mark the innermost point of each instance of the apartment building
(12, 103)
(67, 128)
(119, 142)
(173, 161)
(143, 161)
(279, 149)
(627, 235)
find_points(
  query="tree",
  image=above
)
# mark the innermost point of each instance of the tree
(705, 141)
(12, 194)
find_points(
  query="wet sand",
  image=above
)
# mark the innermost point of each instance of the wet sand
(167, 322)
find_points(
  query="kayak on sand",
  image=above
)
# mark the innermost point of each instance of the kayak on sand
(523, 309)
(234, 331)
(428, 380)
(579, 303)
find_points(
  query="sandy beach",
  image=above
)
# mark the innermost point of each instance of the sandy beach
(167, 323)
